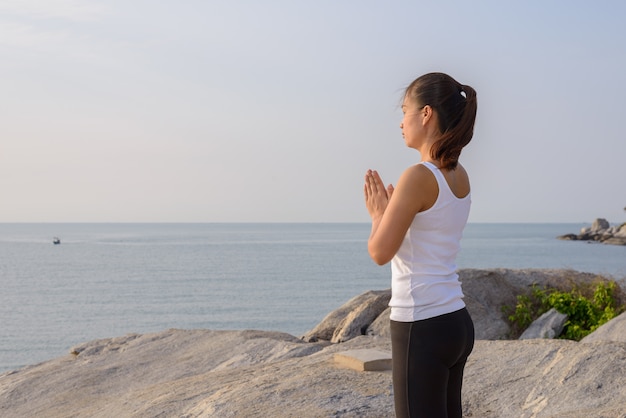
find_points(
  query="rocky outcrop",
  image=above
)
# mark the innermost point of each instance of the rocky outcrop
(486, 293)
(267, 374)
(600, 231)
(201, 373)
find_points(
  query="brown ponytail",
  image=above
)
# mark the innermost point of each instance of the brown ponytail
(456, 107)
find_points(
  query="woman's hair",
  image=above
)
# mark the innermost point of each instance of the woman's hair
(455, 105)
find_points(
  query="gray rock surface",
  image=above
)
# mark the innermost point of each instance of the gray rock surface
(179, 373)
(350, 319)
(266, 374)
(548, 325)
(545, 378)
(359, 319)
(200, 373)
(380, 326)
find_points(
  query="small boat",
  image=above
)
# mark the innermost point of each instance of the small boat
(56, 241)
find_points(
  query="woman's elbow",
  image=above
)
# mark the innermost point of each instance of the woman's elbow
(379, 256)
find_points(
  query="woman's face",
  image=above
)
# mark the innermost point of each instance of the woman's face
(411, 125)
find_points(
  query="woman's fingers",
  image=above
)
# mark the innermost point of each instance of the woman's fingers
(376, 195)
(373, 180)
(390, 190)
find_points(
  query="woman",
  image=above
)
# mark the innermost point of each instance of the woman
(418, 227)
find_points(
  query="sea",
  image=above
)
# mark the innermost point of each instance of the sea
(106, 280)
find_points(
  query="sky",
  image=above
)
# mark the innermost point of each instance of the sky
(272, 111)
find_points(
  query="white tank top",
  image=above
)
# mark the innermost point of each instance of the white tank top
(424, 282)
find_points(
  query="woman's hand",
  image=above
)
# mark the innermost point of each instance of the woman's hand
(417, 190)
(376, 195)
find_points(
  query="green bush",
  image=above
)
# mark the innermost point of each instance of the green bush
(584, 314)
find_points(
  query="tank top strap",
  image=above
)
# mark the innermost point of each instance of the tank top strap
(432, 167)
(437, 173)
(441, 181)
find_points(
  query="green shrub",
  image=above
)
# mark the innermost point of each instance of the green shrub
(584, 314)
(526, 310)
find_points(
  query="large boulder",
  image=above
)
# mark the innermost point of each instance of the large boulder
(380, 326)
(359, 319)
(486, 293)
(351, 319)
(599, 225)
(548, 325)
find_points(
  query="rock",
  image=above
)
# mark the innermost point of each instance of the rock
(357, 321)
(615, 240)
(601, 231)
(364, 360)
(486, 293)
(380, 326)
(545, 378)
(618, 237)
(599, 225)
(202, 373)
(612, 331)
(350, 319)
(549, 325)
(570, 237)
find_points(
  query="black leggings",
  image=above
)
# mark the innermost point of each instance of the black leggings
(428, 360)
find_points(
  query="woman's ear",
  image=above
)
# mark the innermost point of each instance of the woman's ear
(427, 114)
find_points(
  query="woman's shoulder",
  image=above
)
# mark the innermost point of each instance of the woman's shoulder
(419, 185)
(419, 174)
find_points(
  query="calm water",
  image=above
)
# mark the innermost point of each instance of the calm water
(107, 280)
